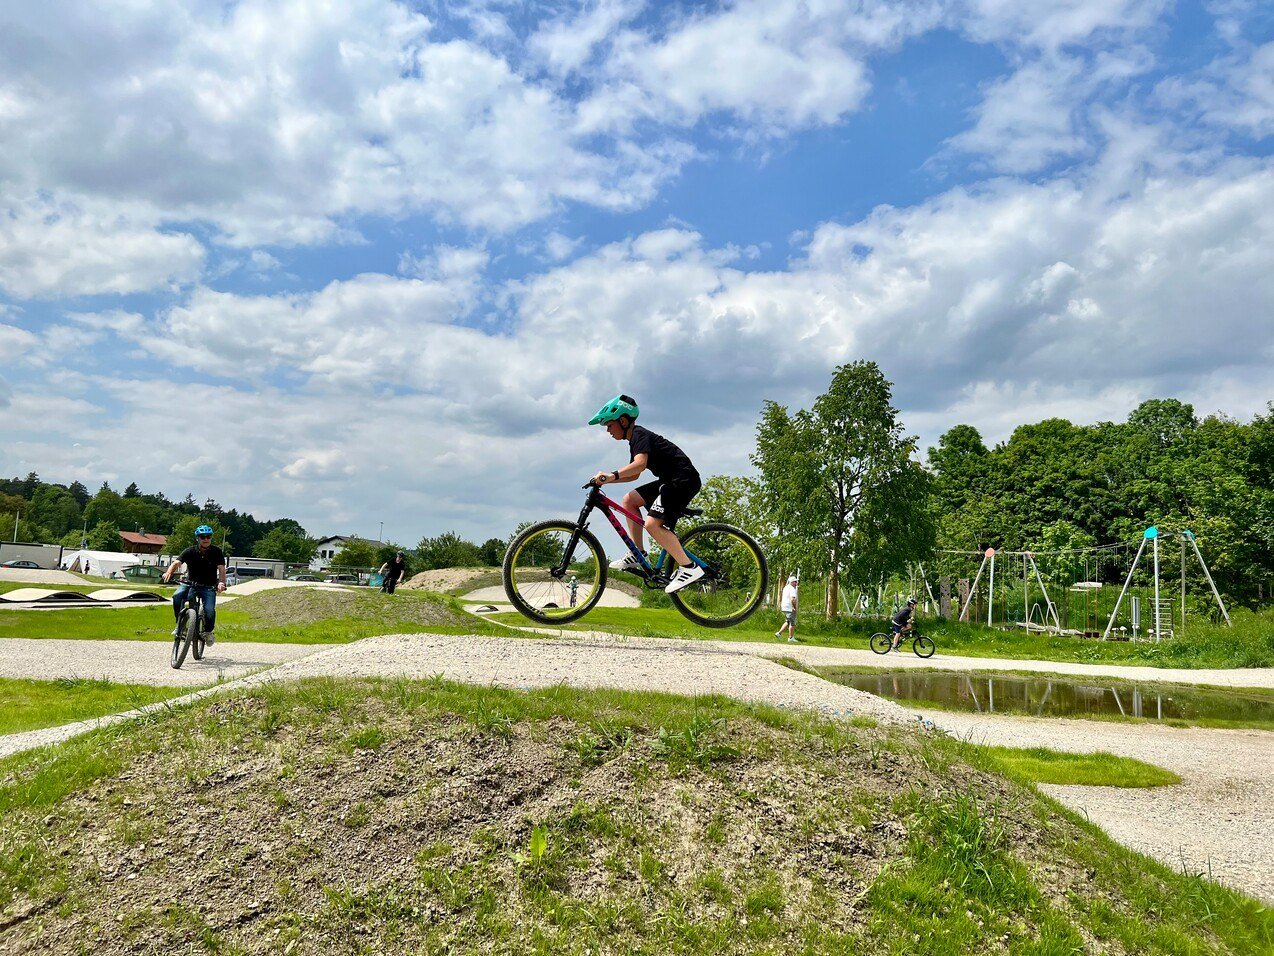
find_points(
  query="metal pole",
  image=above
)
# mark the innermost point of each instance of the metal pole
(1026, 608)
(1215, 593)
(1158, 633)
(1128, 581)
(1183, 583)
(990, 590)
(972, 590)
(1047, 600)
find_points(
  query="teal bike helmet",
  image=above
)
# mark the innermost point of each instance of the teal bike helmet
(202, 530)
(613, 410)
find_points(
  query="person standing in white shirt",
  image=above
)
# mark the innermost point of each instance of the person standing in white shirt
(788, 605)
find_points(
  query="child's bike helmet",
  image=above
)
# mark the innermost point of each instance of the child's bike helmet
(613, 410)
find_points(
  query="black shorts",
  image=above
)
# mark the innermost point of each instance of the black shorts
(668, 500)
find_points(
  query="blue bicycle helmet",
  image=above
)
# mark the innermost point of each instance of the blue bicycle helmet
(613, 410)
(202, 530)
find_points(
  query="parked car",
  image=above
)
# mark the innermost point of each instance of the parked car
(237, 575)
(141, 572)
(341, 579)
(20, 563)
(304, 577)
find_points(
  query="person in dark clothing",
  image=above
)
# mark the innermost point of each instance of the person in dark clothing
(392, 572)
(666, 498)
(901, 622)
(205, 565)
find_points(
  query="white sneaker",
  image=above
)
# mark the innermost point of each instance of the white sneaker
(792, 640)
(683, 577)
(209, 638)
(177, 631)
(629, 563)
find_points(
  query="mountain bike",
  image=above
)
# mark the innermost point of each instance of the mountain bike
(190, 627)
(921, 646)
(541, 560)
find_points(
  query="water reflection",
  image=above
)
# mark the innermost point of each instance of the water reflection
(1054, 697)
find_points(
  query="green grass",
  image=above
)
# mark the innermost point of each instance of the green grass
(1100, 769)
(32, 704)
(1250, 643)
(281, 616)
(426, 816)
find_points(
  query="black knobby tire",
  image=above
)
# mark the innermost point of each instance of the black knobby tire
(181, 643)
(520, 593)
(923, 646)
(199, 644)
(881, 643)
(757, 587)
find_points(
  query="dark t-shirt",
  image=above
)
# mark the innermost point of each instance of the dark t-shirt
(201, 566)
(396, 567)
(902, 617)
(665, 460)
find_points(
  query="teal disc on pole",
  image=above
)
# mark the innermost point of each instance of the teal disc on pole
(1152, 532)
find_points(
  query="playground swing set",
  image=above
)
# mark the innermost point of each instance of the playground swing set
(1081, 597)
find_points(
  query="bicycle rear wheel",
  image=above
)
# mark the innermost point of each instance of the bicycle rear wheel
(881, 643)
(538, 570)
(734, 584)
(185, 634)
(923, 646)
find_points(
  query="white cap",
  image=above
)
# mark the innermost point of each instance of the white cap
(792, 579)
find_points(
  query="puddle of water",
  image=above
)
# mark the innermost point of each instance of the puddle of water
(1054, 697)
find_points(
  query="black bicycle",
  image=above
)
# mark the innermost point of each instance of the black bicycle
(190, 627)
(921, 646)
(541, 562)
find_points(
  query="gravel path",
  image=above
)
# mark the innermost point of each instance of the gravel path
(677, 667)
(1220, 819)
(140, 662)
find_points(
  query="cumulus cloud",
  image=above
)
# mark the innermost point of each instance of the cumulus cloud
(58, 249)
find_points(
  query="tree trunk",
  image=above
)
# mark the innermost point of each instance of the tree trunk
(832, 605)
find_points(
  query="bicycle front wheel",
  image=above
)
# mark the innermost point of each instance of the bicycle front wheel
(881, 643)
(539, 566)
(181, 643)
(734, 584)
(923, 646)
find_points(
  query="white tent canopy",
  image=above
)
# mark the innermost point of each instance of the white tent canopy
(103, 563)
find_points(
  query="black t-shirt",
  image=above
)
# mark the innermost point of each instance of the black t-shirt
(902, 617)
(396, 567)
(665, 460)
(201, 566)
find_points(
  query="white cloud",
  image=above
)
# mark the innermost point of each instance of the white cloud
(1053, 24)
(55, 250)
(1235, 92)
(14, 341)
(567, 43)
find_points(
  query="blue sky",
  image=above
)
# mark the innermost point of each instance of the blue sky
(379, 262)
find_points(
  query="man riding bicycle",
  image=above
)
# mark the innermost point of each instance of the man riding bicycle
(205, 565)
(666, 498)
(902, 622)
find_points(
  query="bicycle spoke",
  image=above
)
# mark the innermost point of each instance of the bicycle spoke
(735, 579)
(535, 579)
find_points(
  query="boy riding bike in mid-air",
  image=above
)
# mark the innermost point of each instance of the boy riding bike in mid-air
(665, 499)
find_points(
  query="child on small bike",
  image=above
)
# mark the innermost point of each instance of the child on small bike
(666, 498)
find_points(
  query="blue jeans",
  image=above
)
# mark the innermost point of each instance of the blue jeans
(209, 597)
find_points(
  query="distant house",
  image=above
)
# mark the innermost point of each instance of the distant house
(143, 543)
(328, 548)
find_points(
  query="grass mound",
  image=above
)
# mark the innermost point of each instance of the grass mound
(395, 816)
(279, 616)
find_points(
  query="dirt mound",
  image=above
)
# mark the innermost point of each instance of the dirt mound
(445, 580)
(300, 606)
(365, 816)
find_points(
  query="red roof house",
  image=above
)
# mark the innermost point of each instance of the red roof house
(143, 543)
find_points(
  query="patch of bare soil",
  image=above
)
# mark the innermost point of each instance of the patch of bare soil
(258, 825)
(447, 580)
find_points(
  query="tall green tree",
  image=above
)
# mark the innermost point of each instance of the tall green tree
(356, 553)
(839, 483)
(448, 550)
(284, 544)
